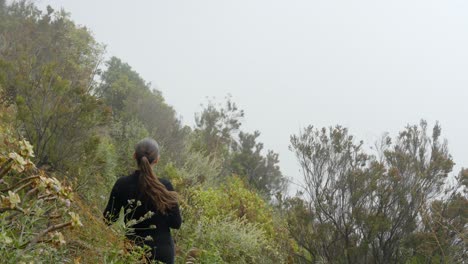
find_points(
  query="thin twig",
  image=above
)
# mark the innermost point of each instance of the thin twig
(52, 228)
(16, 208)
(6, 167)
(30, 192)
(19, 183)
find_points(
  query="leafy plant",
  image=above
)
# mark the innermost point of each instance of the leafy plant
(34, 208)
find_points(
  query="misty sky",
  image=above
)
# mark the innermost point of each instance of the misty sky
(373, 66)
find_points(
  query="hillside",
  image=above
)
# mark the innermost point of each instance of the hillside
(69, 121)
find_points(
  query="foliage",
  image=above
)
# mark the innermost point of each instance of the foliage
(242, 243)
(444, 235)
(231, 224)
(100, 156)
(197, 169)
(35, 208)
(363, 206)
(216, 126)
(261, 172)
(236, 201)
(49, 71)
(392, 205)
(218, 135)
(84, 131)
(124, 136)
(132, 100)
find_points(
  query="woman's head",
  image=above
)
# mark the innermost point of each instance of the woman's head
(152, 190)
(147, 148)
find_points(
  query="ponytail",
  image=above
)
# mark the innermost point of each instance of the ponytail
(150, 186)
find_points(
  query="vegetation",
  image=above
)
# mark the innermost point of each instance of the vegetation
(363, 208)
(68, 125)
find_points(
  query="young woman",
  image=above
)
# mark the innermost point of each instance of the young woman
(150, 204)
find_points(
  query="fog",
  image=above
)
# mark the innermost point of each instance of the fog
(372, 66)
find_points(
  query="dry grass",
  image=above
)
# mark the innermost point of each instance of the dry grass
(90, 243)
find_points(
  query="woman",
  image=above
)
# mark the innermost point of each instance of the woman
(150, 204)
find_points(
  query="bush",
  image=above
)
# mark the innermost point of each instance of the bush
(95, 172)
(229, 224)
(221, 240)
(34, 209)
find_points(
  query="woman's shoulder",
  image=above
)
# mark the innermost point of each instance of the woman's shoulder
(166, 183)
(126, 179)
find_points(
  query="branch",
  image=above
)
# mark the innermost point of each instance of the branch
(31, 192)
(52, 228)
(16, 208)
(19, 183)
(4, 170)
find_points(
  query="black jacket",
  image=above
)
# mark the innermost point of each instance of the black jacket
(148, 225)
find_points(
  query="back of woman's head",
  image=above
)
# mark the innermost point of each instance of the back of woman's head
(147, 148)
(152, 190)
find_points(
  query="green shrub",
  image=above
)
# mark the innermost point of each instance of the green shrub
(231, 241)
(228, 224)
(34, 208)
(95, 172)
(234, 200)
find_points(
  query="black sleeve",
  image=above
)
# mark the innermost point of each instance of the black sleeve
(174, 218)
(111, 213)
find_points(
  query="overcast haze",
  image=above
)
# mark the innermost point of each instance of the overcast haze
(372, 66)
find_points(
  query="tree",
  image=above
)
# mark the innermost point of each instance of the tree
(218, 135)
(118, 82)
(2, 6)
(216, 127)
(416, 167)
(442, 237)
(132, 100)
(260, 172)
(49, 66)
(333, 171)
(363, 206)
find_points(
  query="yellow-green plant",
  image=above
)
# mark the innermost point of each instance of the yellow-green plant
(229, 224)
(34, 208)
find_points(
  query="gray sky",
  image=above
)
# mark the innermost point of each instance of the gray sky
(373, 66)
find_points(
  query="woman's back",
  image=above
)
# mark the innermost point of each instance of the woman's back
(146, 224)
(150, 204)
